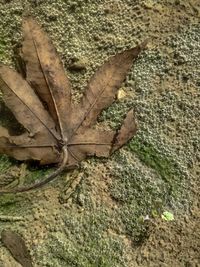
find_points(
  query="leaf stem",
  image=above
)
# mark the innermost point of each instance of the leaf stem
(46, 180)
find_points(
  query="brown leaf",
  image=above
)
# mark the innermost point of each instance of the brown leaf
(23, 147)
(89, 142)
(45, 73)
(57, 131)
(128, 129)
(17, 247)
(103, 87)
(23, 102)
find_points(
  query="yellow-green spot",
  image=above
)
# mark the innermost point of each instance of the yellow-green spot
(167, 216)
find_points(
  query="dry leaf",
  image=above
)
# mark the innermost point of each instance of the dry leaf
(17, 247)
(58, 131)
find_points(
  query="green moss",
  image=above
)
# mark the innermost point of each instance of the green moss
(5, 163)
(2, 48)
(85, 242)
(15, 205)
(165, 167)
(36, 173)
(151, 183)
(12, 204)
(8, 204)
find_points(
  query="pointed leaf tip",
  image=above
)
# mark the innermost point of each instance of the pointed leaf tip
(103, 86)
(45, 73)
(126, 132)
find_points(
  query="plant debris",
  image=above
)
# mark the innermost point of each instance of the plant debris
(57, 130)
(17, 247)
(167, 216)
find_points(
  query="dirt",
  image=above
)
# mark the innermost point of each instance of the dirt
(108, 212)
(171, 244)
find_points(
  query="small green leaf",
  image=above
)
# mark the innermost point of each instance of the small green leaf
(167, 216)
